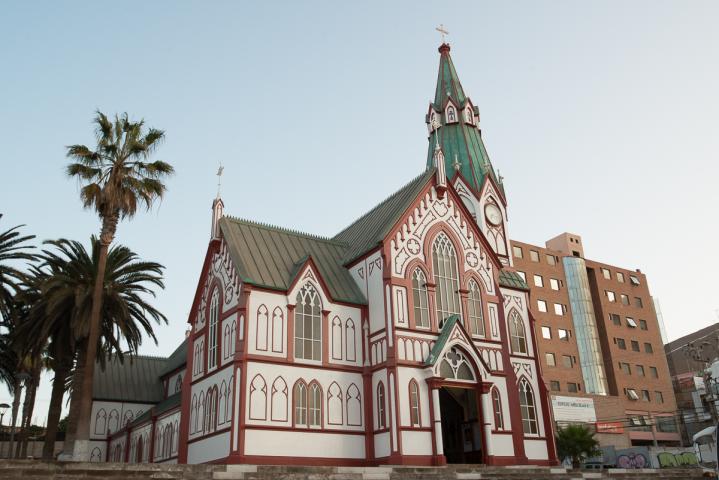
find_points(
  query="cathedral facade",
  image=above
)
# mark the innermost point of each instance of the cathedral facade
(404, 339)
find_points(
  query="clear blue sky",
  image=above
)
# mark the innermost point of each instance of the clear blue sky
(601, 117)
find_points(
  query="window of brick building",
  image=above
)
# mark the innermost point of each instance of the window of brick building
(538, 281)
(643, 324)
(635, 346)
(534, 255)
(653, 372)
(640, 370)
(558, 309)
(634, 279)
(547, 333)
(606, 273)
(551, 260)
(631, 393)
(554, 284)
(658, 397)
(645, 396)
(567, 361)
(638, 302)
(572, 387)
(648, 348)
(624, 367)
(631, 323)
(554, 386)
(563, 334)
(616, 319)
(625, 299)
(620, 277)
(549, 358)
(523, 275)
(610, 296)
(517, 252)
(620, 343)
(542, 306)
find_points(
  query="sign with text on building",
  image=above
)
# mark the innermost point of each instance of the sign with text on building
(610, 427)
(573, 409)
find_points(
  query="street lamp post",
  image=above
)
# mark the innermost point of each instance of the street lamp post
(3, 408)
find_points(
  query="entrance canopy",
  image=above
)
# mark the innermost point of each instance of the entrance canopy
(454, 356)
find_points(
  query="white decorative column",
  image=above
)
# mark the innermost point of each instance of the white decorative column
(487, 411)
(437, 422)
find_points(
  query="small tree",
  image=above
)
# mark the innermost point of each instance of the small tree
(578, 443)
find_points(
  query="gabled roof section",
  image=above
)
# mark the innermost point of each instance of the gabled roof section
(371, 228)
(268, 256)
(510, 279)
(176, 360)
(136, 379)
(441, 340)
(460, 142)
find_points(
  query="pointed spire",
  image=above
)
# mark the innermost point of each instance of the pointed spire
(217, 207)
(453, 123)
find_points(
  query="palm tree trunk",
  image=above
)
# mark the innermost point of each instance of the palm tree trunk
(17, 391)
(73, 415)
(55, 410)
(30, 396)
(81, 449)
(23, 421)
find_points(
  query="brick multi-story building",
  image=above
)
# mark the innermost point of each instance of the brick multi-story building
(599, 339)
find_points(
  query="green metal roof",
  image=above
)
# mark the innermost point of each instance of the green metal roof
(177, 360)
(136, 379)
(173, 401)
(442, 339)
(460, 142)
(366, 232)
(269, 256)
(511, 279)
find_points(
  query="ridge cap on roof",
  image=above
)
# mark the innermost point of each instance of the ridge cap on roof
(135, 357)
(285, 230)
(385, 201)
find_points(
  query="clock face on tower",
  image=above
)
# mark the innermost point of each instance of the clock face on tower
(493, 214)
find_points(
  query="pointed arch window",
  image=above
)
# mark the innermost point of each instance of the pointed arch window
(308, 324)
(468, 117)
(307, 402)
(517, 333)
(299, 400)
(528, 408)
(419, 295)
(381, 418)
(455, 366)
(414, 418)
(212, 330)
(451, 114)
(446, 277)
(497, 406)
(314, 401)
(474, 307)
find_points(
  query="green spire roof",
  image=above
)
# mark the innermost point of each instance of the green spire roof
(461, 142)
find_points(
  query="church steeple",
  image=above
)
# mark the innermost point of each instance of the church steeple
(453, 123)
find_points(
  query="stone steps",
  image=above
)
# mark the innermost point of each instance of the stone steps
(37, 470)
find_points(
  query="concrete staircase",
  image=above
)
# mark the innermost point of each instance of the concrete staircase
(38, 470)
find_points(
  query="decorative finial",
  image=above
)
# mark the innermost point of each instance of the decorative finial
(501, 178)
(435, 126)
(219, 179)
(443, 31)
(456, 163)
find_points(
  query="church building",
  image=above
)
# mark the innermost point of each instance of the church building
(404, 339)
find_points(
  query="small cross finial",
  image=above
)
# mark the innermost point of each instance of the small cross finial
(443, 31)
(219, 179)
(456, 163)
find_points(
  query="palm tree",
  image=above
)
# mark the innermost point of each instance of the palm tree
(577, 443)
(66, 277)
(117, 178)
(13, 248)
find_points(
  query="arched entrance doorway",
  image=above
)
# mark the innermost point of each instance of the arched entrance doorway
(460, 408)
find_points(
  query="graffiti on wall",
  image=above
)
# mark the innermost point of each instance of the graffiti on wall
(632, 460)
(668, 459)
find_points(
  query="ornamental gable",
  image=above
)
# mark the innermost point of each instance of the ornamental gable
(220, 274)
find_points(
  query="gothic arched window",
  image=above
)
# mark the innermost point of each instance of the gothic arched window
(446, 277)
(455, 365)
(517, 334)
(414, 418)
(528, 408)
(314, 404)
(451, 115)
(497, 406)
(381, 418)
(299, 402)
(212, 331)
(419, 295)
(474, 304)
(308, 324)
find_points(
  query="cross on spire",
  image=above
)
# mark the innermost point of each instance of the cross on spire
(219, 179)
(443, 31)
